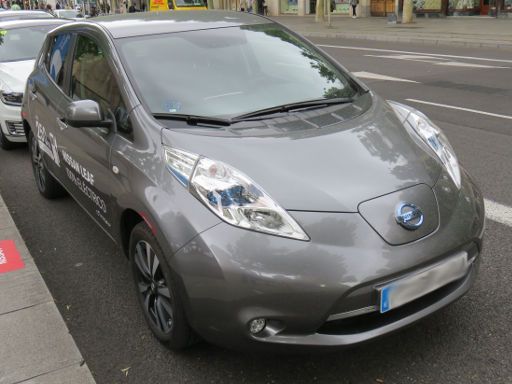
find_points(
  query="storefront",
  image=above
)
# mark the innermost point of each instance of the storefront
(308, 7)
(382, 7)
(445, 7)
(289, 6)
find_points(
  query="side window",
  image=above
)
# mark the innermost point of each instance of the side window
(57, 57)
(93, 79)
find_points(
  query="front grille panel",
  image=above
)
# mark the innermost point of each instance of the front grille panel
(368, 322)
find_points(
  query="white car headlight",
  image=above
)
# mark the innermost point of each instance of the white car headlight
(231, 195)
(432, 135)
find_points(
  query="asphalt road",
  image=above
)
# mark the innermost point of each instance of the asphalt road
(468, 342)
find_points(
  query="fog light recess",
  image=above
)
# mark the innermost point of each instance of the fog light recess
(257, 325)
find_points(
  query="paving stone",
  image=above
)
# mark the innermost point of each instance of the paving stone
(75, 374)
(21, 289)
(34, 341)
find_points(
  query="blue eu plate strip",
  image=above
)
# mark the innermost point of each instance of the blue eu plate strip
(384, 299)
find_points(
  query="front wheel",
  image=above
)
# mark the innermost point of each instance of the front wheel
(156, 290)
(47, 185)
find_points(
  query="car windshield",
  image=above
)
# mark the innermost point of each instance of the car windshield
(22, 43)
(68, 14)
(228, 72)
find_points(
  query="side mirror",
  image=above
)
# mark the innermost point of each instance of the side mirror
(85, 114)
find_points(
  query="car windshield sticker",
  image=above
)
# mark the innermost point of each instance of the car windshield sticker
(172, 106)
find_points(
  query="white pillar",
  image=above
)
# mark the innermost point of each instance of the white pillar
(273, 7)
(301, 7)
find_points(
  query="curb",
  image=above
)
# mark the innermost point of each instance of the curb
(36, 346)
(420, 40)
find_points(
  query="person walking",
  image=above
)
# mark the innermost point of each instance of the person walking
(354, 4)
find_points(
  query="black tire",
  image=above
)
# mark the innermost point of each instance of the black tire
(156, 290)
(47, 185)
(5, 143)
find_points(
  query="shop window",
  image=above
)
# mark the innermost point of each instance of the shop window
(289, 6)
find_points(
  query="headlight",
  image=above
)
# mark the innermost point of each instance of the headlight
(231, 195)
(11, 98)
(432, 135)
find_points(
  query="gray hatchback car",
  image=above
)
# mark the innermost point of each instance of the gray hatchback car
(263, 195)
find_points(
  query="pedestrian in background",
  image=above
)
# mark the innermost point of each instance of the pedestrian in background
(15, 7)
(243, 5)
(354, 3)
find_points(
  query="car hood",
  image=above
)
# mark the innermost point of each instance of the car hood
(14, 75)
(322, 160)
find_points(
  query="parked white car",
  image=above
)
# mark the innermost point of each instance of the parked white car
(20, 42)
(70, 14)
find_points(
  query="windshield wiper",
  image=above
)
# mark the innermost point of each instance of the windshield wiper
(318, 103)
(192, 119)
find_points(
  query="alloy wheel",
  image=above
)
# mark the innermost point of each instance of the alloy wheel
(153, 287)
(38, 164)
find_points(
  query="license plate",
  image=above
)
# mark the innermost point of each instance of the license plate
(409, 288)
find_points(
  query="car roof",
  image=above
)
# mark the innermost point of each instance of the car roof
(11, 24)
(14, 15)
(149, 23)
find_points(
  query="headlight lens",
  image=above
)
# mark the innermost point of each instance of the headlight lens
(432, 135)
(11, 98)
(231, 195)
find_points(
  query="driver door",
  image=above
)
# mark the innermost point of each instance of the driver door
(86, 151)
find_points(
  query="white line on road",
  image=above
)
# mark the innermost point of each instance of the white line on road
(376, 76)
(436, 61)
(470, 65)
(461, 109)
(413, 53)
(498, 212)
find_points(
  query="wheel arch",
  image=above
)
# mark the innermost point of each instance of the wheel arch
(129, 219)
(27, 128)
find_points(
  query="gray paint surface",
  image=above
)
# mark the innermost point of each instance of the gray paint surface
(229, 275)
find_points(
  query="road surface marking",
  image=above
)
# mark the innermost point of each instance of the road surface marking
(498, 212)
(424, 59)
(376, 76)
(469, 65)
(414, 53)
(461, 109)
(436, 61)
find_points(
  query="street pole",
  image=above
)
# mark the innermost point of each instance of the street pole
(329, 13)
(407, 13)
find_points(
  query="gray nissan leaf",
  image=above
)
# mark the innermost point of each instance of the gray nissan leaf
(264, 197)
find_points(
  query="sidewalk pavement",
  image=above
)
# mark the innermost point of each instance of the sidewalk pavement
(471, 31)
(35, 344)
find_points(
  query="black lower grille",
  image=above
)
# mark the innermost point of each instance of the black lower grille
(374, 320)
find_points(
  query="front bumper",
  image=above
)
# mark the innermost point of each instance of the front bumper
(321, 293)
(11, 123)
